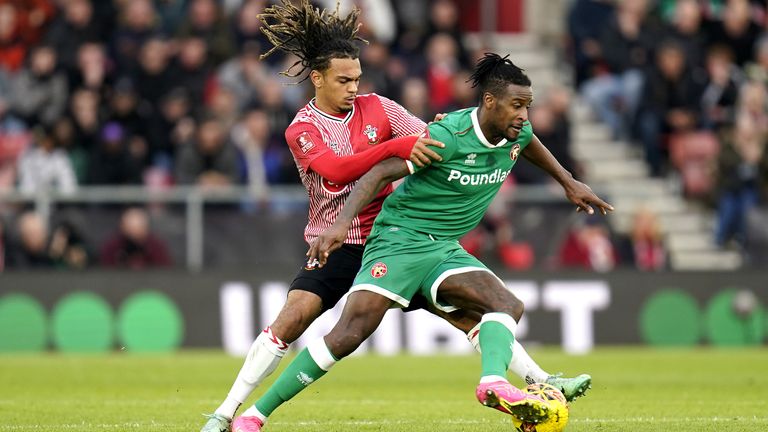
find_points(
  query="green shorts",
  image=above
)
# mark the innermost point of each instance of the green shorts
(398, 263)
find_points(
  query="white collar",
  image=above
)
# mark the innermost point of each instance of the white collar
(479, 132)
(313, 106)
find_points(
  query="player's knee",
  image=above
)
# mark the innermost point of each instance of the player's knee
(291, 324)
(344, 343)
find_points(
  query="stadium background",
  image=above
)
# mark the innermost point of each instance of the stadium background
(148, 201)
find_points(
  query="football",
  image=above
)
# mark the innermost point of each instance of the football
(558, 410)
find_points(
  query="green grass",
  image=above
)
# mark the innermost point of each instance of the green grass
(635, 389)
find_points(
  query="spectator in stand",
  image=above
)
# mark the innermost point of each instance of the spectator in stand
(248, 30)
(442, 67)
(32, 18)
(14, 139)
(207, 22)
(72, 27)
(124, 108)
(117, 160)
(586, 21)
(742, 163)
(415, 98)
(251, 137)
(444, 19)
(137, 23)
(13, 47)
(210, 160)
(687, 29)
(63, 135)
(45, 167)
(134, 246)
(244, 74)
(718, 102)
(153, 77)
(588, 246)
(757, 70)
(626, 46)
(670, 103)
(170, 129)
(84, 112)
(736, 30)
(374, 59)
(31, 251)
(39, 90)
(223, 106)
(192, 69)
(171, 14)
(68, 248)
(92, 70)
(643, 248)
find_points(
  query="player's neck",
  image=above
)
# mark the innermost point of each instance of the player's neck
(327, 108)
(489, 132)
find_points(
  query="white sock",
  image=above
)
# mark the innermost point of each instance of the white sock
(521, 365)
(253, 412)
(262, 359)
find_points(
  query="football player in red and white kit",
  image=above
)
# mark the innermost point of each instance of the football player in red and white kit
(335, 139)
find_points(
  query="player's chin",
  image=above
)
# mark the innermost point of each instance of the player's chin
(512, 134)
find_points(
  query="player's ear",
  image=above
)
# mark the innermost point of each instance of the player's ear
(317, 78)
(489, 100)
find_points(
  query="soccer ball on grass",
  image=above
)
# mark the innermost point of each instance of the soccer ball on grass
(558, 410)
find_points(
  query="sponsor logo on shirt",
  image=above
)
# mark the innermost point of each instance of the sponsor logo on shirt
(515, 152)
(304, 142)
(372, 133)
(497, 176)
(379, 270)
(470, 159)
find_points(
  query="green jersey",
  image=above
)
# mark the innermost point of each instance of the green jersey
(447, 199)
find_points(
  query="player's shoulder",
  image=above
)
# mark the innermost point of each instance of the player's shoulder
(455, 123)
(369, 99)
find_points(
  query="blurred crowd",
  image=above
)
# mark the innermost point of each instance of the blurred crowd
(684, 81)
(172, 92)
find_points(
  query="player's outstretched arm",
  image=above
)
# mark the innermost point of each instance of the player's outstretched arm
(366, 189)
(576, 191)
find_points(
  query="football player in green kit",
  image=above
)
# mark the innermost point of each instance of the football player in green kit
(414, 246)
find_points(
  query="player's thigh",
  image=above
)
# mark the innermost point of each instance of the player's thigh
(463, 282)
(299, 311)
(362, 314)
(332, 281)
(395, 263)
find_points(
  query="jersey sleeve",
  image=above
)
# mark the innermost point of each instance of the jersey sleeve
(438, 132)
(401, 121)
(305, 142)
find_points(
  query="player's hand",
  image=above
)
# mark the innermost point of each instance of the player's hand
(422, 155)
(438, 117)
(582, 195)
(327, 242)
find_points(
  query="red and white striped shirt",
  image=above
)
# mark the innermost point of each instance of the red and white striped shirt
(372, 120)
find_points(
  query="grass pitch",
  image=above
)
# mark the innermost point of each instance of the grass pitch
(635, 389)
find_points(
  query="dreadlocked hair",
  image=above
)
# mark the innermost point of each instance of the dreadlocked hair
(315, 37)
(493, 73)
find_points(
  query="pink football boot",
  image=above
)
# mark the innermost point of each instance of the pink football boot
(247, 424)
(511, 400)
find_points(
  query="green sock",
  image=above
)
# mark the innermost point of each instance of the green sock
(495, 348)
(302, 372)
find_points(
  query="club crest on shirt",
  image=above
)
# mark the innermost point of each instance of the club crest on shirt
(333, 188)
(372, 133)
(304, 141)
(515, 152)
(379, 270)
